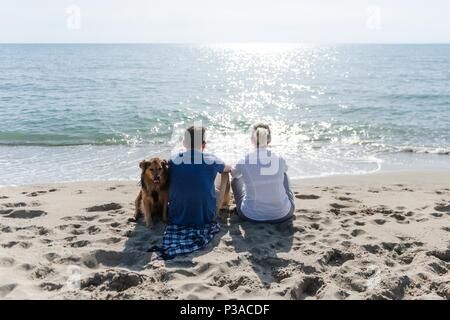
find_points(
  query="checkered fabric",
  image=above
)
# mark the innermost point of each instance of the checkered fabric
(179, 240)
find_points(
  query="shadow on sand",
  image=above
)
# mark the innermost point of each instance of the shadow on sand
(141, 238)
(263, 242)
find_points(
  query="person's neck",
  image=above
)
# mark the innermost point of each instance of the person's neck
(196, 150)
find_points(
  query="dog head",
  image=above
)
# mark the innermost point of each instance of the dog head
(154, 172)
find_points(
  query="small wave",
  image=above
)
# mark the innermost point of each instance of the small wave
(417, 96)
(50, 144)
(425, 150)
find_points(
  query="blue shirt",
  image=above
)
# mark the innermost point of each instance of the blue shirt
(192, 194)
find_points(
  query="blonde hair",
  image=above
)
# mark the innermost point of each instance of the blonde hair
(261, 135)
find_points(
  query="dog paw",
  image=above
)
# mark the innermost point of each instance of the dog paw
(132, 219)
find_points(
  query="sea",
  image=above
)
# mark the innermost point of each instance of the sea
(92, 112)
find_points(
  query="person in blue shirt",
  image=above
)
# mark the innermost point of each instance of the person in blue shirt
(192, 192)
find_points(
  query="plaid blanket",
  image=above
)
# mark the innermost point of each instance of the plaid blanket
(179, 240)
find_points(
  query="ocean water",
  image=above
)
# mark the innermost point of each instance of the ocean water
(92, 112)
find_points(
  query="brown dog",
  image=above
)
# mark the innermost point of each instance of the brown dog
(154, 195)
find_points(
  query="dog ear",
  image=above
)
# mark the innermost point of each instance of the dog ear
(143, 164)
(165, 164)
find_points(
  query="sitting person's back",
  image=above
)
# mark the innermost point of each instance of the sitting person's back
(260, 185)
(192, 198)
(192, 194)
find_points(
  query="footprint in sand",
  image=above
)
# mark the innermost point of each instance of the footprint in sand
(111, 258)
(11, 244)
(307, 196)
(441, 207)
(3, 197)
(344, 236)
(15, 205)
(372, 248)
(309, 237)
(77, 232)
(93, 230)
(42, 272)
(357, 232)
(25, 214)
(5, 229)
(336, 257)
(400, 218)
(7, 262)
(438, 267)
(338, 206)
(437, 214)
(315, 226)
(65, 226)
(7, 289)
(443, 255)
(27, 267)
(37, 230)
(111, 240)
(401, 248)
(51, 256)
(379, 221)
(35, 193)
(50, 286)
(39, 192)
(105, 207)
(112, 280)
(345, 225)
(80, 244)
(83, 218)
(347, 199)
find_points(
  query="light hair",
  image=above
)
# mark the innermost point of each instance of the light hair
(261, 135)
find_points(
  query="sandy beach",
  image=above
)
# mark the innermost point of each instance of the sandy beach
(377, 236)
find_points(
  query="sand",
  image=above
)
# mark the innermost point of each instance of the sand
(379, 236)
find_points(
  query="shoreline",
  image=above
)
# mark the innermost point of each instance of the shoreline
(395, 174)
(377, 236)
(73, 165)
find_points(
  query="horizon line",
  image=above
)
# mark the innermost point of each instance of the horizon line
(230, 42)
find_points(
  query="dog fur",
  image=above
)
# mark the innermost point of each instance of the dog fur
(153, 197)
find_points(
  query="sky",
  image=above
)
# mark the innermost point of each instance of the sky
(218, 21)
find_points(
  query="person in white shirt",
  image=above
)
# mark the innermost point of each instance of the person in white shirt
(260, 183)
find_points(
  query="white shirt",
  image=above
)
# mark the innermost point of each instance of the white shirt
(265, 195)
